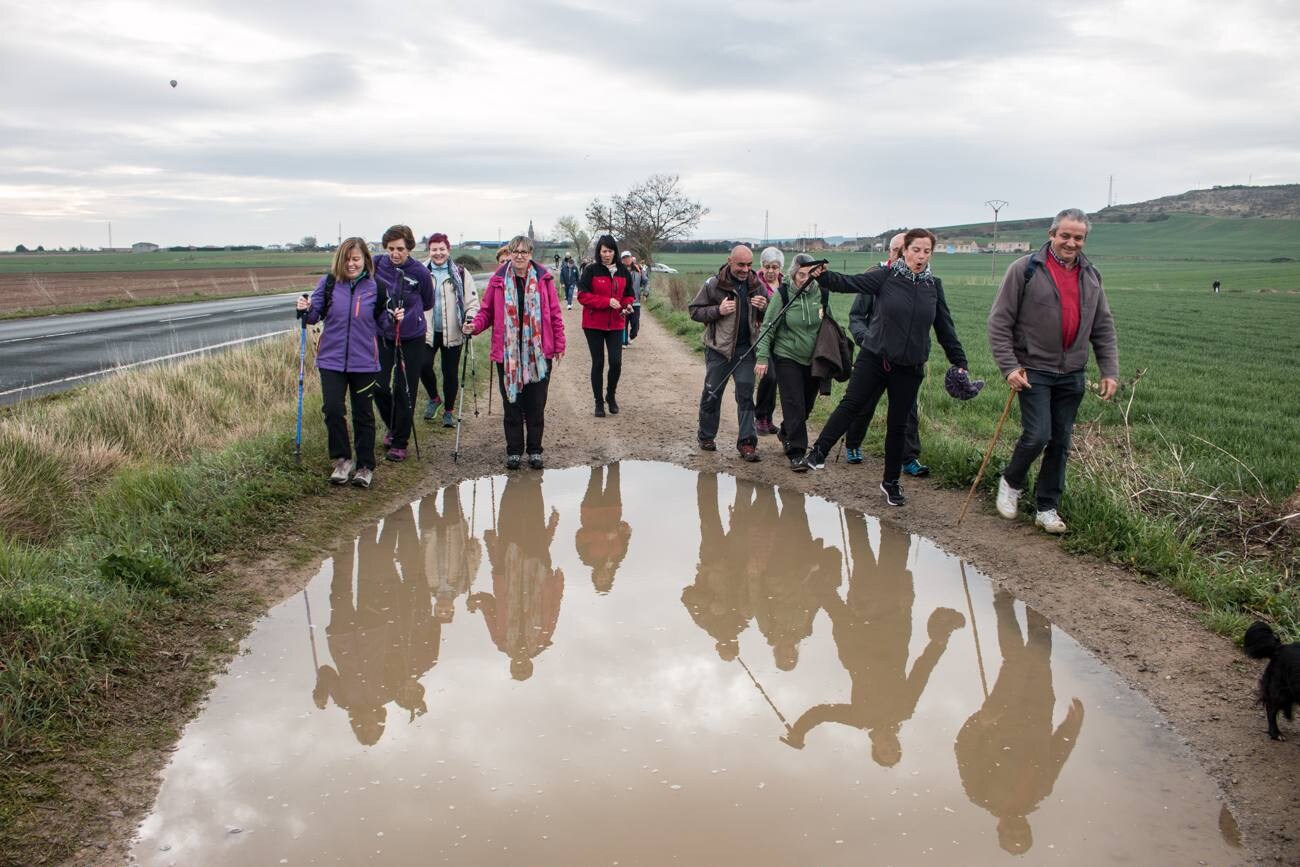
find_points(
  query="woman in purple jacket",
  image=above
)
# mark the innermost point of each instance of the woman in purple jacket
(346, 300)
(407, 289)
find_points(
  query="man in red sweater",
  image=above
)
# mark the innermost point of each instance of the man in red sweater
(1048, 310)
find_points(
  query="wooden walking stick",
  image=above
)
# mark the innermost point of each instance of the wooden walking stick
(997, 432)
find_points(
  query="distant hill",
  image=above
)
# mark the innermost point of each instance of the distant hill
(1273, 202)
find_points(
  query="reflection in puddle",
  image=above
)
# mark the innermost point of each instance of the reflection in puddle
(885, 705)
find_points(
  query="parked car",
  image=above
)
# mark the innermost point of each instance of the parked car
(662, 268)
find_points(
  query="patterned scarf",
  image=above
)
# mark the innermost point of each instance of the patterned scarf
(901, 269)
(531, 366)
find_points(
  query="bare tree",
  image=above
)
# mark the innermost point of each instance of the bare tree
(569, 230)
(652, 212)
(309, 242)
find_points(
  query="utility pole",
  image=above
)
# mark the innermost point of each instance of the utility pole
(110, 234)
(1110, 192)
(340, 233)
(765, 227)
(996, 205)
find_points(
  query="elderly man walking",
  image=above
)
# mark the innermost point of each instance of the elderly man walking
(731, 305)
(1049, 308)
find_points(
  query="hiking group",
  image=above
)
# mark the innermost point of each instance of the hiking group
(385, 321)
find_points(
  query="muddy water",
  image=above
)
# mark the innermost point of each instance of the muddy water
(640, 664)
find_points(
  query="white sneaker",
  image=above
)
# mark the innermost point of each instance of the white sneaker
(1008, 499)
(342, 469)
(1051, 522)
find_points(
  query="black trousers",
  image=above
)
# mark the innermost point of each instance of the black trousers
(600, 343)
(396, 413)
(765, 396)
(634, 322)
(798, 392)
(450, 371)
(857, 432)
(528, 410)
(869, 381)
(334, 385)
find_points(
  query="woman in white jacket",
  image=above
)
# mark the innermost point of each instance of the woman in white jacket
(455, 301)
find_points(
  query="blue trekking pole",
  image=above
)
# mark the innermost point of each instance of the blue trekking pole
(302, 372)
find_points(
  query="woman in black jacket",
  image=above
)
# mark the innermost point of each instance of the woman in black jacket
(909, 302)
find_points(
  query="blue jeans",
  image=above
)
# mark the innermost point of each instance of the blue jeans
(1047, 412)
(715, 384)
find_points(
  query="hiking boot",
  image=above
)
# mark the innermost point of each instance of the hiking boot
(893, 493)
(342, 469)
(749, 453)
(853, 456)
(430, 409)
(916, 468)
(612, 404)
(1008, 499)
(1051, 522)
(513, 462)
(395, 455)
(388, 439)
(363, 477)
(448, 420)
(600, 409)
(708, 446)
(536, 462)
(797, 464)
(764, 427)
(814, 460)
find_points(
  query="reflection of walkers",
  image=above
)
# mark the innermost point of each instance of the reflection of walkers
(455, 300)
(451, 554)
(382, 642)
(859, 321)
(873, 631)
(783, 603)
(523, 311)
(523, 608)
(1007, 754)
(605, 293)
(603, 538)
(719, 600)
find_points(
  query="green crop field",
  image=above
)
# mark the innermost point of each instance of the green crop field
(62, 263)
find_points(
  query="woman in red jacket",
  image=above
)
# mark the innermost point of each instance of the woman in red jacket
(606, 295)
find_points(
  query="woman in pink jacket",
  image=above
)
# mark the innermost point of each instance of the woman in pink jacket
(521, 307)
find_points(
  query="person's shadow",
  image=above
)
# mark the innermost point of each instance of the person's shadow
(603, 537)
(451, 553)
(1008, 756)
(873, 632)
(523, 608)
(383, 637)
(719, 600)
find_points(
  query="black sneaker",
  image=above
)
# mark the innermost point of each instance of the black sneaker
(813, 460)
(893, 493)
(536, 462)
(600, 410)
(708, 446)
(797, 464)
(513, 462)
(612, 405)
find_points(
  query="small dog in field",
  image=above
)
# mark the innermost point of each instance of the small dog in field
(1279, 686)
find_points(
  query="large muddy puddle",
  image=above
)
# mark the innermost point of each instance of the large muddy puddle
(640, 664)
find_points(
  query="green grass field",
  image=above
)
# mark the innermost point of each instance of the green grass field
(57, 263)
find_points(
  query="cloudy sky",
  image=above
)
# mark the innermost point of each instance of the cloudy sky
(290, 117)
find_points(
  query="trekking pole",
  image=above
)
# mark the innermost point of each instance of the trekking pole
(788, 729)
(713, 394)
(302, 372)
(491, 383)
(311, 632)
(460, 408)
(988, 454)
(406, 390)
(979, 657)
(473, 373)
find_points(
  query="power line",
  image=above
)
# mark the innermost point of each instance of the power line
(996, 205)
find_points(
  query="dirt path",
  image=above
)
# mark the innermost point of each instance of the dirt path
(1152, 638)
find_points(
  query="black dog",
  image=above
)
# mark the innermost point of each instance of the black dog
(1279, 686)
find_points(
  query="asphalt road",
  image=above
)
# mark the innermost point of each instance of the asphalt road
(54, 353)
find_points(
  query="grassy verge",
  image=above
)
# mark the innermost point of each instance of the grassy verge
(119, 505)
(126, 303)
(1210, 550)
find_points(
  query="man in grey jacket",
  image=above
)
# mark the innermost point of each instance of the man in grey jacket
(1049, 308)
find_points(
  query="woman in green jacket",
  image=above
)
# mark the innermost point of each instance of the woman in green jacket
(787, 346)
